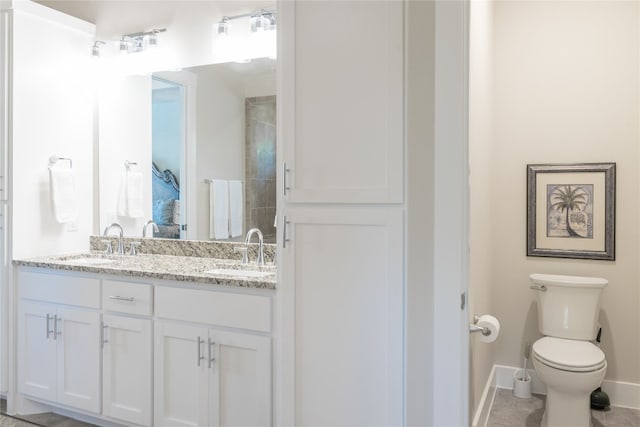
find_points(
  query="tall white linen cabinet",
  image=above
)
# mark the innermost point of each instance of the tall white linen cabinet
(342, 210)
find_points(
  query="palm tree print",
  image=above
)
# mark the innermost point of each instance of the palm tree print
(569, 198)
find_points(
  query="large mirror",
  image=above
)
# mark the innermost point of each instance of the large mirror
(201, 140)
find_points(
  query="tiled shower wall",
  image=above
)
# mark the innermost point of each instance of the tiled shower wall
(260, 167)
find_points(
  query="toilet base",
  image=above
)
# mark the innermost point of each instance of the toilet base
(566, 410)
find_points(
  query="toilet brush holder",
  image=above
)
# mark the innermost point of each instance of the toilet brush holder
(521, 384)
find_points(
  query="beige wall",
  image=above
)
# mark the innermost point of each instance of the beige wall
(565, 89)
(480, 137)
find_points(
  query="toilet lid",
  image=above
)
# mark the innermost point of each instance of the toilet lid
(569, 355)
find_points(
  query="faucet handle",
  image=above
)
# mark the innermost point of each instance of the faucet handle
(245, 254)
(133, 246)
(108, 247)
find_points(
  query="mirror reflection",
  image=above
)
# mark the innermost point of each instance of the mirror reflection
(212, 150)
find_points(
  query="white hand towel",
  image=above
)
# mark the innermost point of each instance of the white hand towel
(130, 196)
(62, 187)
(235, 208)
(219, 209)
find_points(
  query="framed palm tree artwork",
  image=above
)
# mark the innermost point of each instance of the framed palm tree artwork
(571, 210)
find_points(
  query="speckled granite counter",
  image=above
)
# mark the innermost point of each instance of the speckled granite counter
(187, 248)
(166, 267)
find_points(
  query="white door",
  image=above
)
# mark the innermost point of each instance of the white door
(37, 351)
(127, 369)
(240, 385)
(341, 107)
(181, 375)
(342, 268)
(78, 359)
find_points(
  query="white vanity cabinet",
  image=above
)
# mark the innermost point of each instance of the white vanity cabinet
(127, 344)
(206, 376)
(59, 344)
(143, 353)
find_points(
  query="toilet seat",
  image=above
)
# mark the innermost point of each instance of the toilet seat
(569, 355)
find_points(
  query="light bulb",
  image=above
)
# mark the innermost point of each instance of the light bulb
(259, 23)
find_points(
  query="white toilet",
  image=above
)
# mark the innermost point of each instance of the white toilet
(565, 359)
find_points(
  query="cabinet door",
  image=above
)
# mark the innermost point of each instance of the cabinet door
(78, 359)
(181, 375)
(36, 351)
(240, 387)
(342, 100)
(344, 296)
(127, 369)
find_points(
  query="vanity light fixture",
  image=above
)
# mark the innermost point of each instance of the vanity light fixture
(223, 26)
(261, 20)
(124, 46)
(258, 23)
(137, 42)
(95, 50)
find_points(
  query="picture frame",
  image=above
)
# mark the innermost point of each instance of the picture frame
(571, 210)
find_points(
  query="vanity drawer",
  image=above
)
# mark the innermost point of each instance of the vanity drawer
(127, 297)
(60, 288)
(214, 308)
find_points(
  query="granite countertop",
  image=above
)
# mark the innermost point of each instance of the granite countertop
(167, 267)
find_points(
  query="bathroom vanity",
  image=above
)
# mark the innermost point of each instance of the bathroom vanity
(147, 339)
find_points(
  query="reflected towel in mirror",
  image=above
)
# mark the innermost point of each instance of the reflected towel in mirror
(235, 208)
(219, 209)
(130, 195)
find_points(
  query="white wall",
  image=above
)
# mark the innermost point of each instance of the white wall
(565, 89)
(124, 131)
(220, 136)
(53, 113)
(221, 129)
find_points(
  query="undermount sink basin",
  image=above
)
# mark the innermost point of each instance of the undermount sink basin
(93, 261)
(238, 273)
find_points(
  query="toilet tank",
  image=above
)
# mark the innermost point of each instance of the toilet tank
(568, 306)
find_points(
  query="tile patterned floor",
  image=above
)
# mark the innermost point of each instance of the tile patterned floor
(48, 419)
(510, 411)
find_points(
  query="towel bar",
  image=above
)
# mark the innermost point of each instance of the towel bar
(53, 159)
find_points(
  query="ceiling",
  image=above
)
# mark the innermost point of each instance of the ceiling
(116, 17)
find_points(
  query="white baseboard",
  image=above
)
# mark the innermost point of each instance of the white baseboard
(622, 394)
(481, 416)
(626, 395)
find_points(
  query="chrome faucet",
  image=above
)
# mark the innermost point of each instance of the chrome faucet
(120, 236)
(144, 228)
(247, 240)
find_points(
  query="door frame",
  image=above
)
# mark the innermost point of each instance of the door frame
(188, 211)
(451, 212)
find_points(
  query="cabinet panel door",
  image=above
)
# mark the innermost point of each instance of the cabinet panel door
(78, 349)
(344, 272)
(127, 369)
(36, 351)
(342, 100)
(240, 388)
(181, 375)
